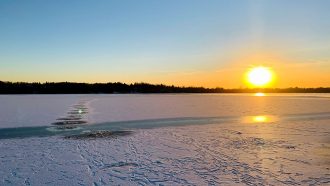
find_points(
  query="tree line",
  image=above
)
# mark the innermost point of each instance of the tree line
(117, 87)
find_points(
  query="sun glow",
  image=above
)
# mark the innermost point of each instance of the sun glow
(259, 76)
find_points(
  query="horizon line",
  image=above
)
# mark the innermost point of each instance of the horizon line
(162, 84)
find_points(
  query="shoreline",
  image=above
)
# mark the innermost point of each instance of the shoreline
(136, 88)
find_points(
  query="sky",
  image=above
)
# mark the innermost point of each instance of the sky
(209, 43)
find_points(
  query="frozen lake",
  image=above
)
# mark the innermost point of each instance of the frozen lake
(165, 139)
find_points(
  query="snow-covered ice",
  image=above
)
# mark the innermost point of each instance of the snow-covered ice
(173, 140)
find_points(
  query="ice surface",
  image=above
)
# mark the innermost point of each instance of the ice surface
(41, 110)
(139, 107)
(172, 140)
(74, 129)
(34, 110)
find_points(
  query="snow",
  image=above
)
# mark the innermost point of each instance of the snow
(184, 140)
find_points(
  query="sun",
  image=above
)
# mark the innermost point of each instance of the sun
(259, 76)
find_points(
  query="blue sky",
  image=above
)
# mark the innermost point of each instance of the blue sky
(171, 42)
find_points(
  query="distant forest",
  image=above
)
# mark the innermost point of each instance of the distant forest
(113, 88)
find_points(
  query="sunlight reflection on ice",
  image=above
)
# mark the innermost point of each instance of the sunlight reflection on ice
(260, 119)
(259, 94)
